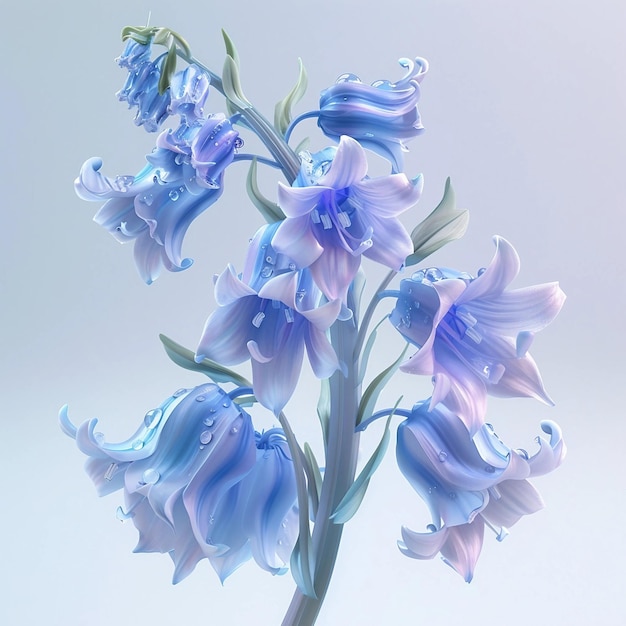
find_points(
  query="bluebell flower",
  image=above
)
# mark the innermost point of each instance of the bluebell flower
(156, 207)
(335, 214)
(381, 116)
(473, 335)
(141, 90)
(468, 482)
(270, 314)
(135, 55)
(189, 90)
(199, 482)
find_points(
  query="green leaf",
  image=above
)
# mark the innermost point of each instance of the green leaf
(313, 476)
(231, 50)
(370, 397)
(323, 408)
(368, 348)
(303, 145)
(282, 111)
(232, 84)
(140, 34)
(168, 69)
(216, 372)
(444, 224)
(268, 209)
(300, 563)
(351, 502)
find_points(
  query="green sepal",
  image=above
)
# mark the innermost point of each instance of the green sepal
(323, 408)
(268, 209)
(168, 70)
(444, 224)
(282, 110)
(216, 372)
(313, 477)
(367, 350)
(140, 34)
(351, 502)
(370, 397)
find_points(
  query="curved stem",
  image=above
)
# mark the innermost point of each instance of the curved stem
(300, 118)
(339, 473)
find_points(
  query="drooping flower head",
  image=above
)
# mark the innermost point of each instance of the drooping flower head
(473, 335)
(199, 482)
(335, 214)
(468, 481)
(183, 177)
(380, 116)
(270, 314)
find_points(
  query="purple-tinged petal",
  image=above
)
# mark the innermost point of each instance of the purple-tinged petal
(324, 316)
(229, 288)
(387, 196)
(333, 272)
(299, 201)
(148, 256)
(462, 548)
(423, 546)
(392, 243)
(295, 239)
(348, 167)
(550, 456)
(321, 354)
(281, 288)
(515, 498)
(503, 268)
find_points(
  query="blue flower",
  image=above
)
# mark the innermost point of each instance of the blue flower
(156, 207)
(473, 335)
(189, 90)
(381, 116)
(269, 314)
(199, 482)
(141, 89)
(335, 214)
(467, 482)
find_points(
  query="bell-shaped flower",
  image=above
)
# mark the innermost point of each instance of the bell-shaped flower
(335, 214)
(468, 482)
(135, 54)
(156, 207)
(141, 90)
(473, 335)
(189, 90)
(269, 314)
(192, 477)
(381, 116)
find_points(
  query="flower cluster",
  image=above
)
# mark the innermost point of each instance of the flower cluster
(199, 482)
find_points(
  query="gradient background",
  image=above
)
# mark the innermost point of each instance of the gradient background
(524, 109)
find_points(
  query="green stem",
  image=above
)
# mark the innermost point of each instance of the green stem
(339, 473)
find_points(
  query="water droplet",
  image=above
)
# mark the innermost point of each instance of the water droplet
(173, 195)
(211, 519)
(481, 271)
(152, 418)
(418, 276)
(238, 143)
(490, 469)
(151, 476)
(99, 438)
(147, 199)
(266, 272)
(234, 430)
(270, 260)
(207, 421)
(433, 274)
(443, 456)
(284, 524)
(486, 370)
(226, 403)
(368, 134)
(292, 266)
(137, 444)
(523, 453)
(200, 398)
(280, 542)
(206, 436)
(179, 392)
(108, 475)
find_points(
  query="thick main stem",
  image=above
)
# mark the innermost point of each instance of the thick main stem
(341, 457)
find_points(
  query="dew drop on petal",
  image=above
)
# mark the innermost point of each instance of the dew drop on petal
(152, 418)
(147, 199)
(179, 392)
(490, 469)
(207, 421)
(200, 398)
(234, 430)
(173, 195)
(206, 436)
(443, 456)
(151, 476)
(99, 438)
(137, 444)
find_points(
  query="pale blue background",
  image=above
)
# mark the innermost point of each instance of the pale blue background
(524, 108)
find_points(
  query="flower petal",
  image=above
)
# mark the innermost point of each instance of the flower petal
(348, 167)
(387, 196)
(295, 239)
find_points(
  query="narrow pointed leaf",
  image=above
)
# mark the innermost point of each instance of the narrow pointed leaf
(313, 477)
(370, 397)
(282, 111)
(268, 209)
(323, 408)
(216, 372)
(444, 224)
(231, 50)
(168, 69)
(351, 502)
(232, 84)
